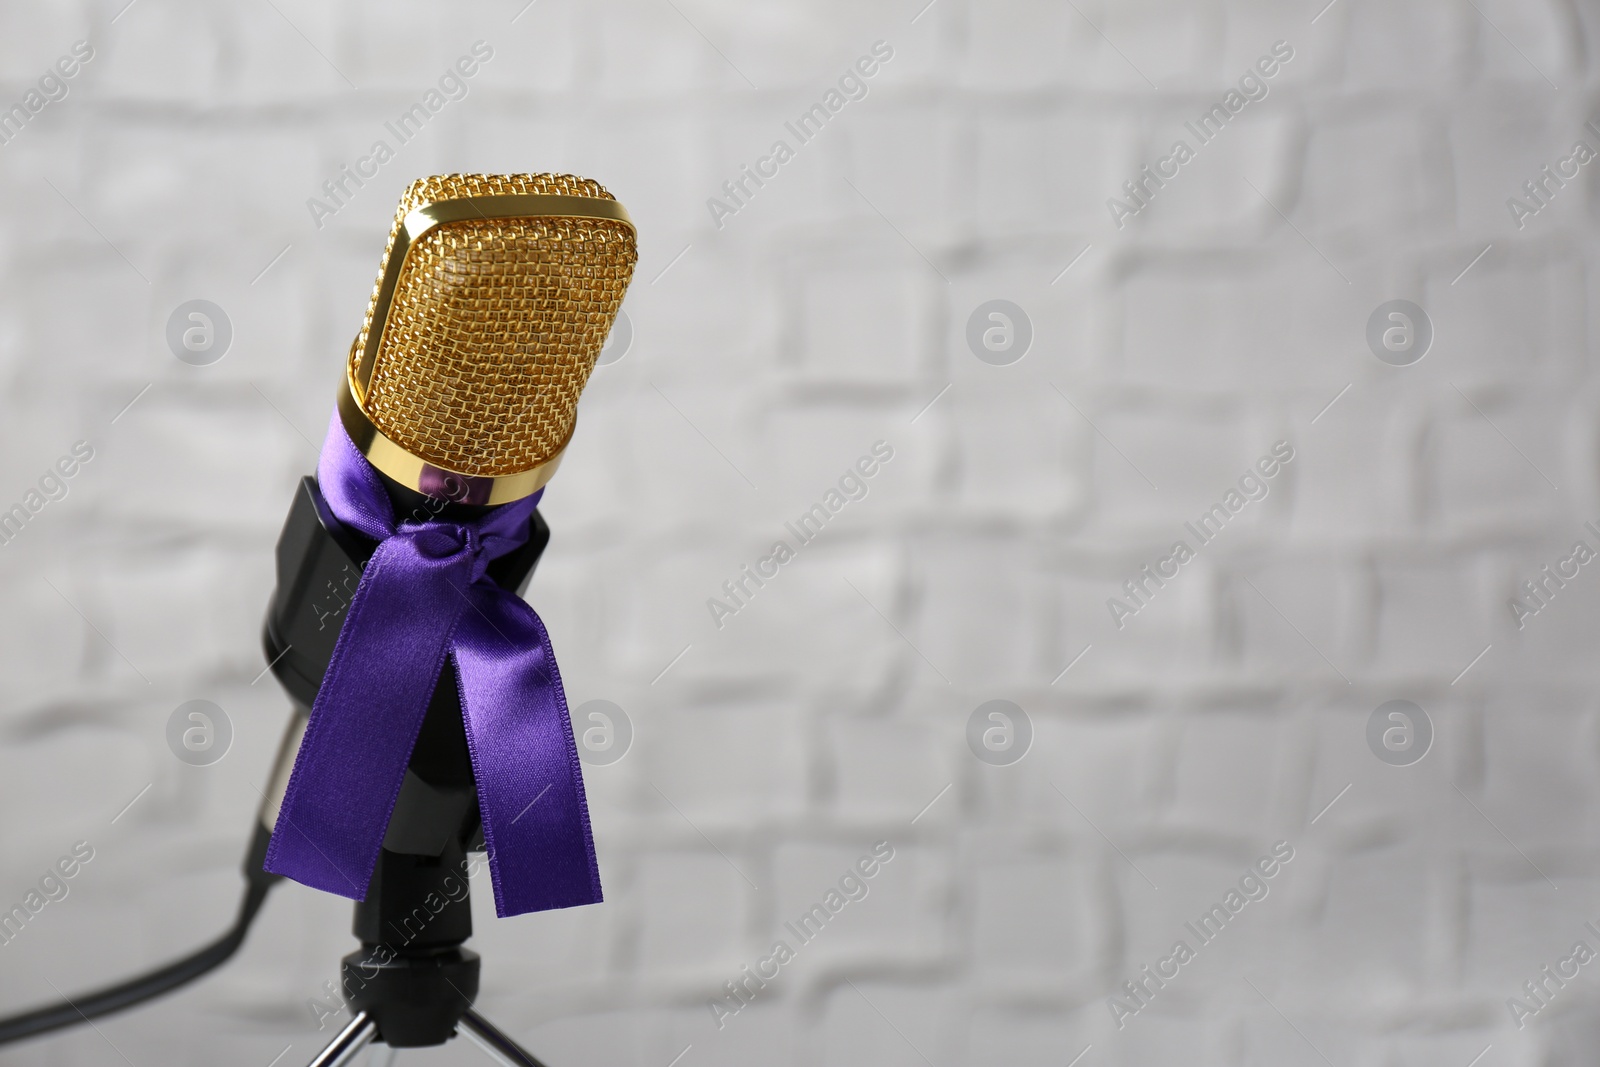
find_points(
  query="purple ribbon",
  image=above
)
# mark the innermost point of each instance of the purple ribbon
(424, 596)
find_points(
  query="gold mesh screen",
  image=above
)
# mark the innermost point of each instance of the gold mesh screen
(494, 326)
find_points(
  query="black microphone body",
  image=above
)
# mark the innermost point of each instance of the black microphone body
(411, 976)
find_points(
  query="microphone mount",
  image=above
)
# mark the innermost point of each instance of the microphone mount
(412, 983)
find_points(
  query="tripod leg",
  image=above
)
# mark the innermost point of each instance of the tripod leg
(351, 1040)
(500, 1048)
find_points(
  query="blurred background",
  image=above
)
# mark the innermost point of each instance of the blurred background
(1366, 272)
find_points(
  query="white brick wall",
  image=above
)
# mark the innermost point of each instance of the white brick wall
(824, 315)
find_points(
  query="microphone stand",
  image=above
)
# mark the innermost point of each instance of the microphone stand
(412, 983)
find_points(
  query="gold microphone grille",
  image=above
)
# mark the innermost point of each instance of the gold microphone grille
(494, 326)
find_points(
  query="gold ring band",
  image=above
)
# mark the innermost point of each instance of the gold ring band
(430, 479)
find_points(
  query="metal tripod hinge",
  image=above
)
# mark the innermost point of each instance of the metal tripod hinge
(362, 1031)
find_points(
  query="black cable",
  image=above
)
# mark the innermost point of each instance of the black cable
(137, 990)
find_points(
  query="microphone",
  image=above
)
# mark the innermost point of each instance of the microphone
(495, 296)
(460, 393)
(429, 718)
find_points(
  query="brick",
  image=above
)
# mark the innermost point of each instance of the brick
(1400, 946)
(1165, 313)
(900, 919)
(1497, 147)
(1302, 618)
(1357, 470)
(192, 185)
(1398, 801)
(1501, 956)
(1031, 463)
(407, 50)
(1035, 165)
(974, 612)
(1014, 941)
(1029, 1038)
(701, 760)
(599, 1031)
(1203, 1041)
(1491, 456)
(809, 189)
(811, 606)
(1522, 311)
(1400, 185)
(860, 1025)
(44, 644)
(1252, 27)
(809, 444)
(1207, 788)
(1064, 311)
(1173, 629)
(1170, 48)
(1015, 45)
(171, 53)
(910, 151)
(858, 326)
(1525, 43)
(768, 1023)
(170, 617)
(1404, 643)
(1269, 1035)
(704, 939)
(1382, 43)
(783, 46)
(1551, 642)
(888, 769)
(119, 764)
(135, 471)
(1070, 750)
(1210, 196)
(52, 33)
(1192, 883)
(634, 63)
(1548, 742)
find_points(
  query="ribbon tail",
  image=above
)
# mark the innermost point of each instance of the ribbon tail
(365, 722)
(519, 734)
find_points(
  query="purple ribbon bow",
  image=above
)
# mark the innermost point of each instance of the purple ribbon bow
(424, 596)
